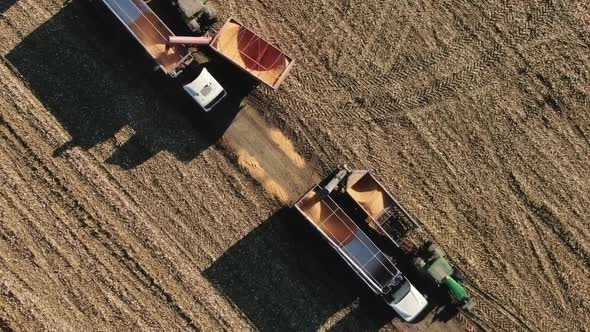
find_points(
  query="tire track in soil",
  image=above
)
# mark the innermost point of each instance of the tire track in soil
(362, 85)
(10, 299)
(74, 299)
(148, 279)
(561, 287)
(300, 82)
(445, 87)
(122, 253)
(41, 121)
(537, 224)
(46, 244)
(547, 217)
(129, 196)
(541, 211)
(519, 42)
(172, 201)
(541, 251)
(489, 310)
(204, 236)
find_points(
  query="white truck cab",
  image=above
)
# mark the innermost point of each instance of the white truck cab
(405, 299)
(205, 90)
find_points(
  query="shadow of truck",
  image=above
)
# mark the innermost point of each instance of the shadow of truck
(284, 277)
(96, 79)
(5, 4)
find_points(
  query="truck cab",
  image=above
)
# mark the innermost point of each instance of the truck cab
(205, 90)
(404, 298)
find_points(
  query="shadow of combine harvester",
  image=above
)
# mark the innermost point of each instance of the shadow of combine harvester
(95, 79)
(283, 277)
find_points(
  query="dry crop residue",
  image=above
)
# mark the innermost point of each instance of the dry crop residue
(269, 156)
(118, 211)
(474, 114)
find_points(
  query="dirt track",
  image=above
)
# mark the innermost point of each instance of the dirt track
(121, 208)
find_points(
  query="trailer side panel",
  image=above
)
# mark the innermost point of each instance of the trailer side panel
(350, 241)
(252, 53)
(385, 214)
(149, 30)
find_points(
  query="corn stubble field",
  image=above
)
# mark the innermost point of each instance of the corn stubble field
(120, 209)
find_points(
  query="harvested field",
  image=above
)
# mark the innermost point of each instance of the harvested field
(123, 207)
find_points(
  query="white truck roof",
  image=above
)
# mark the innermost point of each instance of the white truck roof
(205, 90)
(410, 304)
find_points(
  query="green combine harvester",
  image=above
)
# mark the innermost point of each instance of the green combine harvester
(431, 262)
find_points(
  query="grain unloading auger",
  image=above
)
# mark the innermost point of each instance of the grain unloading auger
(175, 57)
(244, 48)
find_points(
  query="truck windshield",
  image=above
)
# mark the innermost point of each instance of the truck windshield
(398, 291)
(215, 101)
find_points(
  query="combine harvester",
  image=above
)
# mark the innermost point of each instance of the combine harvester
(356, 248)
(176, 55)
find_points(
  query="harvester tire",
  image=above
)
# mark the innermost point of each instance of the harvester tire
(210, 14)
(458, 274)
(469, 304)
(436, 251)
(419, 263)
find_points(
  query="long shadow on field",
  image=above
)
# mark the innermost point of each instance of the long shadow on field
(96, 80)
(5, 4)
(284, 277)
